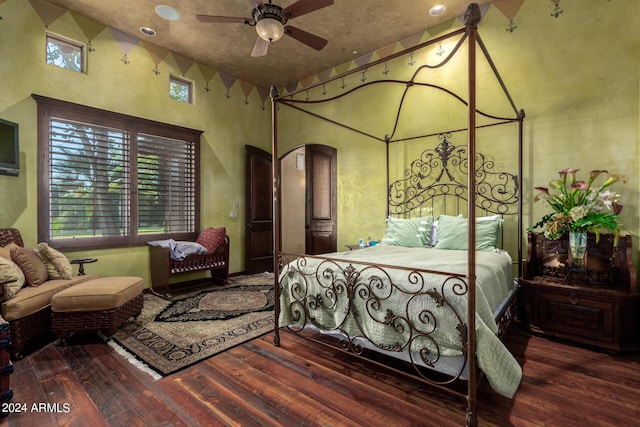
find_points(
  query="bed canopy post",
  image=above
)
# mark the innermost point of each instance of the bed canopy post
(273, 93)
(521, 116)
(471, 19)
(387, 140)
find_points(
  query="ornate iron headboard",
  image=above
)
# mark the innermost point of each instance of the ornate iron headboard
(440, 174)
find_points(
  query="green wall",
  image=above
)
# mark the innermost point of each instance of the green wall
(576, 76)
(228, 123)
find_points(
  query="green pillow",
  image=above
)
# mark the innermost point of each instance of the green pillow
(409, 232)
(452, 233)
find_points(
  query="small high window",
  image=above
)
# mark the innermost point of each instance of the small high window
(65, 53)
(180, 90)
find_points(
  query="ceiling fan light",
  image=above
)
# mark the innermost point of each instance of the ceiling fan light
(270, 29)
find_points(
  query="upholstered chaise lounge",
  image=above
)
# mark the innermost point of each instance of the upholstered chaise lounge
(26, 303)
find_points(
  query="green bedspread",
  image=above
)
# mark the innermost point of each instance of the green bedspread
(363, 301)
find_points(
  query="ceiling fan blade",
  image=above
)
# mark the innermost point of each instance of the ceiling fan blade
(223, 19)
(302, 7)
(260, 48)
(311, 40)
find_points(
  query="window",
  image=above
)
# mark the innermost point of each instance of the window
(65, 53)
(111, 180)
(180, 90)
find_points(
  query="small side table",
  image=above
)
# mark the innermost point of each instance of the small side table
(82, 262)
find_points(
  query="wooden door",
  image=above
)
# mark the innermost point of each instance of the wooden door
(321, 199)
(259, 211)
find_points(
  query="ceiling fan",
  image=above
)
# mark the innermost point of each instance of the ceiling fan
(270, 20)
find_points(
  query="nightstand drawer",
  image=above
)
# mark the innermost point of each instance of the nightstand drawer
(576, 315)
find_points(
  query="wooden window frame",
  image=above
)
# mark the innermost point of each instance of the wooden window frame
(48, 109)
(179, 80)
(72, 43)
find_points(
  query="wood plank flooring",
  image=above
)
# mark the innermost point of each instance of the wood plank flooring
(303, 383)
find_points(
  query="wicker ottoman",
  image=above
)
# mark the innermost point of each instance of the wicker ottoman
(99, 305)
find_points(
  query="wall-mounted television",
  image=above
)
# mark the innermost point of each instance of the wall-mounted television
(9, 148)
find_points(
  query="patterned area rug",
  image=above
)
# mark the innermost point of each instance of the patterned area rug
(171, 335)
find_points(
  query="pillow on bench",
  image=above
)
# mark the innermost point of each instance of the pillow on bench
(212, 237)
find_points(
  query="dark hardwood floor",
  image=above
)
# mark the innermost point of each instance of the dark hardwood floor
(303, 383)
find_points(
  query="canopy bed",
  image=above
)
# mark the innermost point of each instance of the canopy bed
(437, 303)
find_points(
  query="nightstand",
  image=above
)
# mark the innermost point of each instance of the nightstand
(598, 307)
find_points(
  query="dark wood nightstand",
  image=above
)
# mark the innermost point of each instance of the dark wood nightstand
(599, 307)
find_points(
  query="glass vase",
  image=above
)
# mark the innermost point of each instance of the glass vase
(577, 250)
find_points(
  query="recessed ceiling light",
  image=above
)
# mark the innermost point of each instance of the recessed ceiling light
(437, 10)
(168, 13)
(148, 31)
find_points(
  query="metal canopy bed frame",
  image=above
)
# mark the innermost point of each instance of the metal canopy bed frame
(428, 179)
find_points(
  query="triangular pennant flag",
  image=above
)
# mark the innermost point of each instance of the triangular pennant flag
(246, 87)
(89, 27)
(308, 81)
(342, 68)
(291, 87)
(324, 75)
(483, 11)
(411, 40)
(363, 59)
(125, 41)
(206, 71)
(441, 28)
(228, 81)
(156, 53)
(47, 11)
(387, 50)
(263, 92)
(183, 63)
(509, 8)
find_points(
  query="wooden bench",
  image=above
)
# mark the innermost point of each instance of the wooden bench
(163, 267)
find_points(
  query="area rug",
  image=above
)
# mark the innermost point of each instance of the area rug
(170, 335)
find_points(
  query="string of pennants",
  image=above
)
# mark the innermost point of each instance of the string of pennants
(49, 13)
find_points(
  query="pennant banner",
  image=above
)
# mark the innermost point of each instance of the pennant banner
(324, 75)
(509, 8)
(387, 50)
(207, 72)
(183, 63)
(228, 81)
(306, 82)
(125, 41)
(411, 40)
(364, 59)
(89, 27)
(47, 11)
(156, 53)
(246, 88)
(263, 92)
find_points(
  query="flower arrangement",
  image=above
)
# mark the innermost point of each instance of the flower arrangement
(580, 206)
